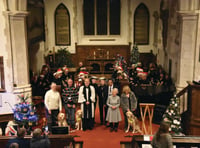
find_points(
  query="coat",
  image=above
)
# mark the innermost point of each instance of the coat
(125, 101)
(23, 143)
(113, 115)
(41, 142)
(107, 91)
(82, 99)
(103, 94)
(164, 142)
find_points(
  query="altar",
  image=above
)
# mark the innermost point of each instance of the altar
(101, 65)
(99, 59)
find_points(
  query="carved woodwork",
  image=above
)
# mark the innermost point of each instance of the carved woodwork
(103, 56)
(193, 114)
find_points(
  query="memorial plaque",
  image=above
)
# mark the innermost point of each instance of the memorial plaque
(141, 25)
(62, 26)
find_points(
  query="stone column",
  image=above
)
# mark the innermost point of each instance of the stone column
(185, 70)
(18, 36)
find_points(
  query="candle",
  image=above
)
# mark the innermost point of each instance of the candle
(107, 54)
(94, 54)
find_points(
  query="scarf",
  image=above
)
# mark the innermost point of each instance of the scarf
(87, 108)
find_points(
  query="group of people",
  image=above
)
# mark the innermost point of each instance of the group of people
(88, 91)
(38, 140)
(153, 75)
(92, 90)
(85, 93)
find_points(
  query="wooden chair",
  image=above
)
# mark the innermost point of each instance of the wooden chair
(144, 109)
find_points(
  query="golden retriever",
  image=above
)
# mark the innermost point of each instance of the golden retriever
(132, 122)
(61, 120)
(79, 120)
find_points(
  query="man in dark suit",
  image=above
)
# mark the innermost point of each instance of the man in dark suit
(102, 94)
(19, 140)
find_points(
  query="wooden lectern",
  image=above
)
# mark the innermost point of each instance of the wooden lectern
(192, 115)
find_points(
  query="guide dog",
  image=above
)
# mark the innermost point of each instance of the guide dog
(61, 120)
(79, 120)
(132, 122)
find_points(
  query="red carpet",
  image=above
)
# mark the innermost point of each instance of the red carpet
(101, 137)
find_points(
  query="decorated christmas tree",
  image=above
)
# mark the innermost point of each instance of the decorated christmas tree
(134, 55)
(25, 112)
(121, 66)
(172, 116)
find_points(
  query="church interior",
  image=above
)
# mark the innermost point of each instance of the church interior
(151, 46)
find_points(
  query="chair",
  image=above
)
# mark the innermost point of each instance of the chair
(144, 109)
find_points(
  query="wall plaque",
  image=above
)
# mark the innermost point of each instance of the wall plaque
(62, 25)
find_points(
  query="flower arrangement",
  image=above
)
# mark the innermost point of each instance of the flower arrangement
(134, 55)
(24, 112)
(121, 67)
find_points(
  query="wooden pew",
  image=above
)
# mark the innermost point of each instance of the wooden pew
(183, 142)
(59, 141)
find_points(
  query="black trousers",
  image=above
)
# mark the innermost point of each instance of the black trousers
(95, 104)
(101, 111)
(88, 123)
(52, 118)
(105, 113)
(114, 125)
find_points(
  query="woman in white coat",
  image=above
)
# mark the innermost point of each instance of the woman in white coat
(113, 115)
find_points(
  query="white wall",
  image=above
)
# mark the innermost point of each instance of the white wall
(185, 55)
(75, 8)
(6, 53)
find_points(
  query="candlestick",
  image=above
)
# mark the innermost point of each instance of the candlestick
(107, 54)
(94, 54)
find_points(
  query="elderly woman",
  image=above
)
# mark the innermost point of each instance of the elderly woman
(128, 102)
(113, 115)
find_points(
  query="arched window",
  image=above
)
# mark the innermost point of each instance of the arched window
(141, 25)
(101, 17)
(62, 25)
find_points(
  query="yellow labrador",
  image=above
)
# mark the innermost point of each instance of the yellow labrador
(61, 120)
(132, 122)
(79, 120)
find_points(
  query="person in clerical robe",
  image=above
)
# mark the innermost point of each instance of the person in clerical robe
(87, 99)
(93, 81)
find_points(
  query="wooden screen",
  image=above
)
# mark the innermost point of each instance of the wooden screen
(141, 25)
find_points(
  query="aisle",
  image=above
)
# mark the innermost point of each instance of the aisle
(101, 137)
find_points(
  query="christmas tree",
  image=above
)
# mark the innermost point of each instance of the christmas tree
(172, 116)
(134, 55)
(24, 112)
